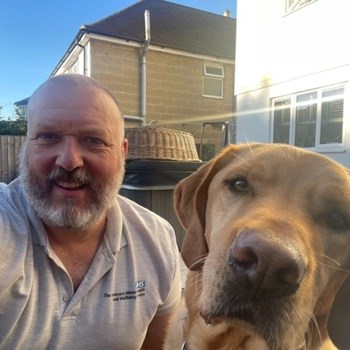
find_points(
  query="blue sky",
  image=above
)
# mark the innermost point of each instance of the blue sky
(34, 35)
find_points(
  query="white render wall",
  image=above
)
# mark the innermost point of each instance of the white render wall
(279, 54)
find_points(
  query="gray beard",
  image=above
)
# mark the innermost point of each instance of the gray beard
(69, 215)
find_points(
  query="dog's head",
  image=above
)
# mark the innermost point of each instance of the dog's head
(268, 225)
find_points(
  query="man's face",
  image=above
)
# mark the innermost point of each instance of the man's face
(73, 162)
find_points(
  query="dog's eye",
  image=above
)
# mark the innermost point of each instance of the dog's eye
(337, 220)
(239, 184)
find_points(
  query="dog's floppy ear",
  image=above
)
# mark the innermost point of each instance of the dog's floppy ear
(190, 199)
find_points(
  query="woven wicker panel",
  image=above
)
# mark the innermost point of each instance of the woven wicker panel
(160, 143)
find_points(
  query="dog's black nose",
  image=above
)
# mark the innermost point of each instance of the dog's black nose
(265, 266)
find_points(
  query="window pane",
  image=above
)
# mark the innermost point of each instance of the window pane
(281, 121)
(218, 71)
(332, 116)
(212, 87)
(306, 111)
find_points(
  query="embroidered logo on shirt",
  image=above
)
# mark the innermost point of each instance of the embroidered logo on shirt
(140, 284)
(140, 291)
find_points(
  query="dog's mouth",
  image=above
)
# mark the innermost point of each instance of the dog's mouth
(264, 322)
(245, 315)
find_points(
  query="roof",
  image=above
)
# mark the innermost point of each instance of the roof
(22, 102)
(172, 26)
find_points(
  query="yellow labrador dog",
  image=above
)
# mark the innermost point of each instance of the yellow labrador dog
(267, 244)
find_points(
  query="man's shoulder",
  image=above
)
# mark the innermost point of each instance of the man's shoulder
(12, 195)
(14, 210)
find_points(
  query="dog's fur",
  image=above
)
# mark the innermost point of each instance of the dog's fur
(267, 242)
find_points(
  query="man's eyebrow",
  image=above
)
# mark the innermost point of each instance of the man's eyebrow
(82, 128)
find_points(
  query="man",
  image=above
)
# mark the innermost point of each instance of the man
(80, 266)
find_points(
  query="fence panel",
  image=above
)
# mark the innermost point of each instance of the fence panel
(9, 150)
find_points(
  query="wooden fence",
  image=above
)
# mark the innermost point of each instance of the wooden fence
(9, 150)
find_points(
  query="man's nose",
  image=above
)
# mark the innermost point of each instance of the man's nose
(69, 155)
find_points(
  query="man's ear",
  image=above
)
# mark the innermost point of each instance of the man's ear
(125, 146)
(190, 200)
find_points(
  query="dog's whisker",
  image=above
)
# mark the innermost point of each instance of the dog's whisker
(288, 326)
(242, 159)
(331, 259)
(201, 261)
(324, 256)
(302, 315)
(330, 265)
(334, 267)
(313, 324)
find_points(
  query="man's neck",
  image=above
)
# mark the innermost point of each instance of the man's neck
(62, 236)
(77, 249)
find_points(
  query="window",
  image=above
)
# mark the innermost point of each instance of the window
(292, 5)
(332, 116)
(310, 119)
(281, 121)
(213, 81)
(305, 120)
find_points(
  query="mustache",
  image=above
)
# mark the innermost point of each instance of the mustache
(76, 175)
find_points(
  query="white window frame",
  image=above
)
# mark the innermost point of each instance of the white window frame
(292, 123)
(219, 77)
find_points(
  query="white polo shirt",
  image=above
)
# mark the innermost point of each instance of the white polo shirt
(135, 275)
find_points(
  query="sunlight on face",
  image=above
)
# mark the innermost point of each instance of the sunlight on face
(72, 164)
(69, 214)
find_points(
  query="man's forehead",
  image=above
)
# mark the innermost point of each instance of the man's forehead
(75, 97)
(69, 80)
(54, 91)
(72, 97)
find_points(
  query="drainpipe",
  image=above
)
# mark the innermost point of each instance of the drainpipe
(143, 66)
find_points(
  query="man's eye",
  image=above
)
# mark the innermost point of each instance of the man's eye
(47, 137)
(93, 141)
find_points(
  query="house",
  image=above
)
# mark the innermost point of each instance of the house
(22, 107)
(292, 74)
(168, 65)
